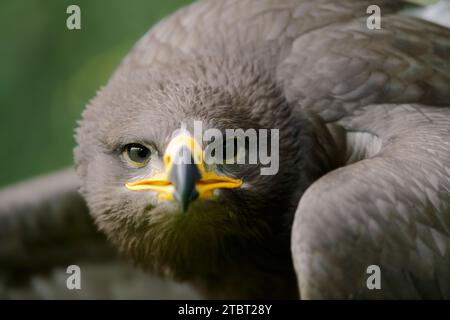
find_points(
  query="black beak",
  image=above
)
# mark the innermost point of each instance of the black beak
(184, 174)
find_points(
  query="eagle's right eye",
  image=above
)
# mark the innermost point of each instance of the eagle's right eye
(137, 155)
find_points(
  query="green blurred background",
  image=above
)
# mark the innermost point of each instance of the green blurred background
(48, 73)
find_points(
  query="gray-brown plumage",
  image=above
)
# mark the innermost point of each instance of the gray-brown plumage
(45, 227)
(364, 175)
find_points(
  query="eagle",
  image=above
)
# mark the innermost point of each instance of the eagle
(363, 181)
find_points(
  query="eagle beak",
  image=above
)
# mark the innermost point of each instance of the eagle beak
(185, 177)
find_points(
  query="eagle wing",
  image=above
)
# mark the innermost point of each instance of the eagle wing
(45, 221)
(391, 210)
(388, 89)
(45, 227)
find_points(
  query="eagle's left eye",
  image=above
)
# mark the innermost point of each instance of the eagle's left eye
(137, 155)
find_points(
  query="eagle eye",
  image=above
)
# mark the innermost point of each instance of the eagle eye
(137, 155)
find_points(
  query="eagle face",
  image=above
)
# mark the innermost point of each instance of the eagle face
(190, 220)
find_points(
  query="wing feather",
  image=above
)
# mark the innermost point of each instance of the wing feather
(45, 222)
(390, 210)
